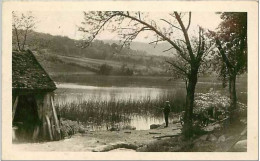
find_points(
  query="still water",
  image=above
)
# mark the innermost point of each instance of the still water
(69, 93)
(73, 92)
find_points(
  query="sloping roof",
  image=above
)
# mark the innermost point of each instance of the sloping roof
(28, 74)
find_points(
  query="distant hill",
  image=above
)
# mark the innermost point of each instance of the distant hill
(150, 49)
(61, 55)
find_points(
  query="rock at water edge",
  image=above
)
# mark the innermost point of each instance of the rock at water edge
(154, 126)
(240, 146)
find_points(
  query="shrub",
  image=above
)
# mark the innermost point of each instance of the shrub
(205, 101)
(213, 105)
(69, 127)
(105, 69)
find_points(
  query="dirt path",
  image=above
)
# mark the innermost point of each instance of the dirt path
(93, 141)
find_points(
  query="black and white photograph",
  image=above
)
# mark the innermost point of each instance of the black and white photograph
(130, 81)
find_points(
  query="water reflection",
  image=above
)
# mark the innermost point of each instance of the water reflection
(105, 107)
(72, 92)
(143, 123)
(136, 114)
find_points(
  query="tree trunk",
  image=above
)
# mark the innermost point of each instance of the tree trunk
(233, 98)
(187, 128)
(17, 39)
(25, 36)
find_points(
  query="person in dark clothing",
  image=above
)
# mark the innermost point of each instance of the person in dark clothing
(166, 111)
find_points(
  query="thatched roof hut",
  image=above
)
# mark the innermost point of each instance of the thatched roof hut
(34, 115)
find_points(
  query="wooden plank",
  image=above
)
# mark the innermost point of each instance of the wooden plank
(44, 129)
(36, 132)
(14, 129)
(115, 146)
(49, 127)
(14, 107)
(154, 133)
(43, 119)
(55, 118)
(52, 128)
(164, 136)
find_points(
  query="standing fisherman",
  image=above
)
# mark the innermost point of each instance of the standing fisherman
(166, 111)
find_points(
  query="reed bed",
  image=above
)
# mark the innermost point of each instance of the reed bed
(106, 112)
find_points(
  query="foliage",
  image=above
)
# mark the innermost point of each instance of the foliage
(233, 36)
(105, 69)
(125, 70)
(205, 101)
(69, 127)
(231, 41)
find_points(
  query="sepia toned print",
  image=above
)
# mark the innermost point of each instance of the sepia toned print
(129, 81)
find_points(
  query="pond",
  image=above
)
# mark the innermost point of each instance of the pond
(74, 92)
(68, 93)
(103, 107)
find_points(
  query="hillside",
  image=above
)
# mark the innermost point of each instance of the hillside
(148, 48)
(61, 55)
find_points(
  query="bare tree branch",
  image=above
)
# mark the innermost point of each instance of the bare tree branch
(156, 41)
(178, 67)
(133, 35)
(221, 50)
(171, 24)
(101, 28)
(184, 57)
(17, 38)
(22, 24)
(185, 36)
(201, 45)
(187, 28)
(25, 36)
(168, 49)
(153, 29)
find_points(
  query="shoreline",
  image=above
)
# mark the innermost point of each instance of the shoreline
(100, 140)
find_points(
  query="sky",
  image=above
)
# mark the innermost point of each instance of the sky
(65, 23)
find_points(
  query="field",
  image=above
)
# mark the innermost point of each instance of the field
(57, 64)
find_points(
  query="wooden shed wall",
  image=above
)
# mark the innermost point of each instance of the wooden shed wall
(49, 128)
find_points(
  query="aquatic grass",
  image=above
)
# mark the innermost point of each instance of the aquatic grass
(113, 111)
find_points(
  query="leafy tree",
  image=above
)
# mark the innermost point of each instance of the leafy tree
(105, 69)
(125, 70)
(128, 25)
(114, 46)
(22, 25)
(231, 41)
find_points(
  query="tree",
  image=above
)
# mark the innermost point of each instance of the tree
(105, 69)
(231, 41)
(22, 25)
(129, 25)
